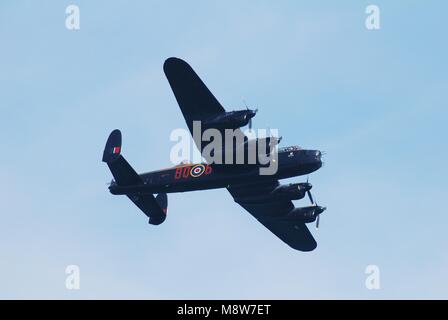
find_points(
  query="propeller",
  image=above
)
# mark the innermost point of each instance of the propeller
(319, 212)
(310, 197)
(254, 112)
(309, 193)
(250, 120)
(317, 208)
(317, 218)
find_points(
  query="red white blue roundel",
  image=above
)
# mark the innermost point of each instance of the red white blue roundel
(197, 170)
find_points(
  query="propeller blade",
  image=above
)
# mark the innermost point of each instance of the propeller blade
(310, 196)
(317, 222)
(250, 124)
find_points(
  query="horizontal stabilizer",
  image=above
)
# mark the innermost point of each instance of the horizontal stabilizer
(162, 201)
(150, 207)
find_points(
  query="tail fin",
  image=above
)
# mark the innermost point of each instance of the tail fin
(125, 175)
(112, 149)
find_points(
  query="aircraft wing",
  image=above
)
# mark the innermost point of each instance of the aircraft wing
(268, 213)
(195, 100)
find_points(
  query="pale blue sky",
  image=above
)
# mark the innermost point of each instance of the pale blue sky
(375, 101)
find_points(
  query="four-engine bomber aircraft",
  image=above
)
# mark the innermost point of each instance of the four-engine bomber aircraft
(261, 195)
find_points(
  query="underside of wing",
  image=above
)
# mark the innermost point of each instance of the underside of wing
(296, 235)
(194, 98)
(271, 213)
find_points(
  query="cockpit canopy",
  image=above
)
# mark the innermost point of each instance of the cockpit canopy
(289, 149)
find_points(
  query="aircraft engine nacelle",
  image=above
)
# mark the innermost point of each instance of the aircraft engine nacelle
(305, 214)
(292, 191)
(230, 120)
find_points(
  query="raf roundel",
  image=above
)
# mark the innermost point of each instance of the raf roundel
(197, 170)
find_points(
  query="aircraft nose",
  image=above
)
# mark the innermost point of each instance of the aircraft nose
(315, 154)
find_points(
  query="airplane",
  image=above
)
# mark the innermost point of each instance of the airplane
(261, 195)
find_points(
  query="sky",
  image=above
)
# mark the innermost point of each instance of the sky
(374, 100)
